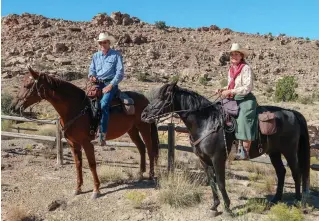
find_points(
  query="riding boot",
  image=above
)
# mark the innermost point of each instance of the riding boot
(102, 139)
(242, 154)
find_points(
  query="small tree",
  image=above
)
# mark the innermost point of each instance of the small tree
(6, 100)
(160, 25)
(285, 89)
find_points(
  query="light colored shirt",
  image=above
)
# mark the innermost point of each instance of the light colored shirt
(243, 82)
(107, 67)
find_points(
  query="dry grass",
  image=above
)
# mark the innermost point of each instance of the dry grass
(110, 173)
(16, 213)
(179, 190)
(48, 130)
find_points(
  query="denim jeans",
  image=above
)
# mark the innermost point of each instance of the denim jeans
(105, 106)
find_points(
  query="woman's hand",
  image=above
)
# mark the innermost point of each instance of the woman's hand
(219, 91)
(226, 93)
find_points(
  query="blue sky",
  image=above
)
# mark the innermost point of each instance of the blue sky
(295, 17)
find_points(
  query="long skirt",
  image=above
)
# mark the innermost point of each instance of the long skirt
(247, 119)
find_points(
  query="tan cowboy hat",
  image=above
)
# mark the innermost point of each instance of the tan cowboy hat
(104, 37)
(239, 48)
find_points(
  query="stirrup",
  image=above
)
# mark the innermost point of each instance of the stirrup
(242, 154)
(102, 141)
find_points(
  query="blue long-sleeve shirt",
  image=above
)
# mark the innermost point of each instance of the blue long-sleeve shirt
(107, 67)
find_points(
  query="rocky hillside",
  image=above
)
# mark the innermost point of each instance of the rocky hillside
(65, 47)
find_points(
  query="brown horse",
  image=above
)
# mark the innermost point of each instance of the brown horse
(73, 106)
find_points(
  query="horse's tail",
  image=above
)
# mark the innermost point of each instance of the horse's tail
(155, 141)
(304, 152)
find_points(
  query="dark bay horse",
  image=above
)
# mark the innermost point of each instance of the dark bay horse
(72, 104)
(205, 123)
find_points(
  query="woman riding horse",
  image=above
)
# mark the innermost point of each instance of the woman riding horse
(240, 86)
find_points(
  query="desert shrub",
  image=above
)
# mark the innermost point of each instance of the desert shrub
(160, 25)
(141, 76)
(305, 99)
(109, 173)
(179, 190)
(6, 125)
(254, 205)
(174, 78)
(203, 80)
(136, 197)
(223, 82)
(48, 130)
(5, 103)
(307, 38)
(285, 89)
(281, 212)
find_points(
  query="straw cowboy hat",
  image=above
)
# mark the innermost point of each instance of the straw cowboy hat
(239, 48)
(104, 37)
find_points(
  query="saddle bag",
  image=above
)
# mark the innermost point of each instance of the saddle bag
(267, 123)
(230, 106)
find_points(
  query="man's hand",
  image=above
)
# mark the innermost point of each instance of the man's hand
(107, 88)
(92, 78)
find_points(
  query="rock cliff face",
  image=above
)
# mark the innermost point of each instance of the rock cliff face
(66, 47)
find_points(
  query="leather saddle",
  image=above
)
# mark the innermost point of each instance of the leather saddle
(121, 99)
(267, 121)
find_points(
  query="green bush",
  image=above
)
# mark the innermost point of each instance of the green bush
(174, 78)
(142, 76)
(203, 80)
(223, 82)
(6, 100)
(160, 25)
(285, 89)
(281, 212)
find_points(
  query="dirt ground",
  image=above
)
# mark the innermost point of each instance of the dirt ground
(31, 183)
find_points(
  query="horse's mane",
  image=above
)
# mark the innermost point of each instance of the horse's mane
(192, 99)
(59, 83)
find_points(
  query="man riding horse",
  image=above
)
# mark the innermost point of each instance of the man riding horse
(107, 70)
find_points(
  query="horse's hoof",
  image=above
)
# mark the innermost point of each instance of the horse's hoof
(77, 192)
(95, 195)
(215, 213)
(228, 212)
(274, 200)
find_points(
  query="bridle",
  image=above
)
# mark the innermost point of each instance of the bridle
(37, 87)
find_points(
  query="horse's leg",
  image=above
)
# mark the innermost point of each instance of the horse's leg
(213, 185)
(145, 130)
(135, 137)
(219, 169)
(77, 156)
(292, 161)
(89, 151)
(209, 170)
(281, 172)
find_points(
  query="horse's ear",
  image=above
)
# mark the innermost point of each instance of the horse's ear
(34, 74)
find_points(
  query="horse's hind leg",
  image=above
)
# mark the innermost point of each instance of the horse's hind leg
(135, 137)
(77, 156)
(89, 152)
(292, 161)
(281, 172)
